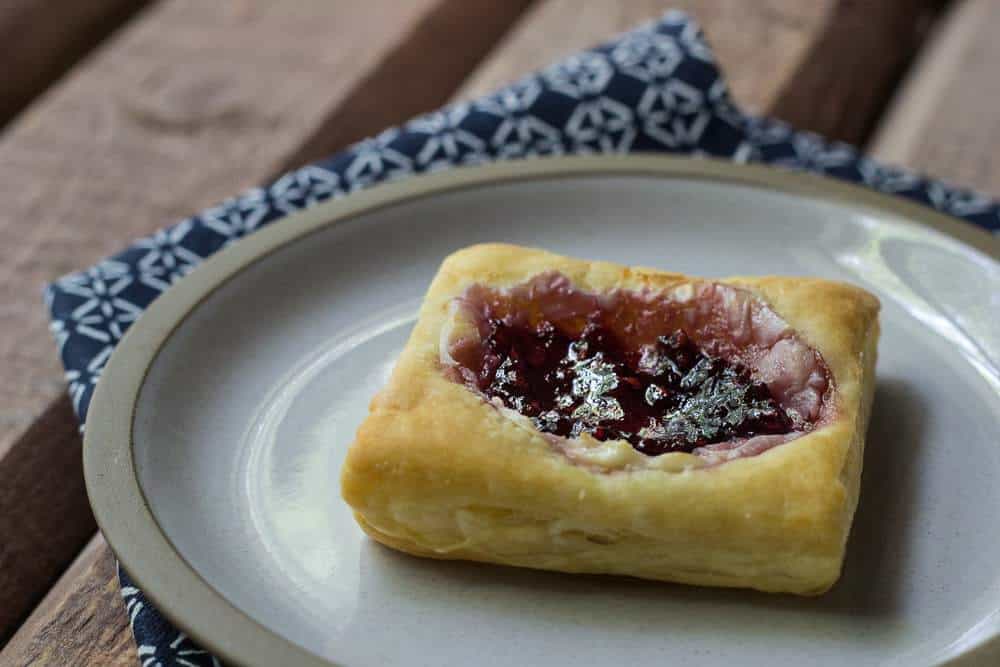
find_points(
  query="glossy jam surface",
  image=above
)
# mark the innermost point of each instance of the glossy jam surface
(702, 368)
(668, 397)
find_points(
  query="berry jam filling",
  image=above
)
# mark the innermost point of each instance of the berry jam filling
(669, 397)
(703, 367)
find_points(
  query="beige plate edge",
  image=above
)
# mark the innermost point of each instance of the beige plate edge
(119, 505)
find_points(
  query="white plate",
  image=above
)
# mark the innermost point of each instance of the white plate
(260, 366)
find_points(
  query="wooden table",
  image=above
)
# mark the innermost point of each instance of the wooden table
(121, 116)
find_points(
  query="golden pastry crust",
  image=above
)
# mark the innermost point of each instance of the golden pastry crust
(436, 471)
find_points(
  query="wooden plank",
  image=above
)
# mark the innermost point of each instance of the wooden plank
(81, 621)
(824, 65)
(844, 82)
(44, 515)
(762, 56)
(415, 78)
(946, 118)
(190, 103)
(42, 39)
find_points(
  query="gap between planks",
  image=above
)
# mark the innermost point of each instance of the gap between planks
(42, 40)
(946, 121)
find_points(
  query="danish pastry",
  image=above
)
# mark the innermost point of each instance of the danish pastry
(579, 416)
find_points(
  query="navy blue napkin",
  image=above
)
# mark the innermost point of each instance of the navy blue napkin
(654, 89)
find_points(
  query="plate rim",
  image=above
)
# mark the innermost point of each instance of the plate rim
(122, 511)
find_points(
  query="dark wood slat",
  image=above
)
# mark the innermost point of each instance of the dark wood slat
(42, 39)
(946, 117)
(44, 515)
(843, 84)
(824, 65)
(188, 104)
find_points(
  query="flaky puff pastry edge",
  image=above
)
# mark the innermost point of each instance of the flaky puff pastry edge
(435, 471)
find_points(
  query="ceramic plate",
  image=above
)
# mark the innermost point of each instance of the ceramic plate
(217, 433)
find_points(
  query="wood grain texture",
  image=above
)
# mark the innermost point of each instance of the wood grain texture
(190, 103)
(80, 622)
(824, 65)
(42, 39)
(945, 120)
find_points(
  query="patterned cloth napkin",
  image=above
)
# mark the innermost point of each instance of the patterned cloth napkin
(656, 88)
